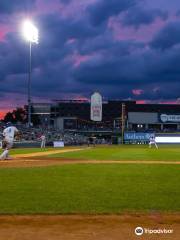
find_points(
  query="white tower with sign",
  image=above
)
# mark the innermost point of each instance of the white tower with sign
(96, 107)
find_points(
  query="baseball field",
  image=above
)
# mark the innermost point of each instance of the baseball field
(105, 191)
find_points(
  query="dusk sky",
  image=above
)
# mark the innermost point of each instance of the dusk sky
(125, 49)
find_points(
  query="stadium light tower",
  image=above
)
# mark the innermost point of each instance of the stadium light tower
(31, 34)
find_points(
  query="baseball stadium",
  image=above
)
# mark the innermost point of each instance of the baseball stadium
(89, 120)
(93, 175)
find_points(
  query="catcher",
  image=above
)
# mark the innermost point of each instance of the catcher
(9, 133)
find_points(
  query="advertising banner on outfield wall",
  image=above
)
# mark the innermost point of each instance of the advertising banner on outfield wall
(140, 136)
(96, 107)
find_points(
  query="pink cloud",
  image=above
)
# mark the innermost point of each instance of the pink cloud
(77, 58)
(71, 40)
(4, 29)
(3, 113)
(13, 100)
(81, 98)
(137, 92)
(145, 101)
(142, 101)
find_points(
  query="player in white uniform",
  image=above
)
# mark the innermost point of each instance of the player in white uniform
(9, 133)
(152, 141)
(43, 141)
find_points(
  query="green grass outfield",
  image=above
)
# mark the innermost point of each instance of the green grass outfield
(126, 152)
(100, 188)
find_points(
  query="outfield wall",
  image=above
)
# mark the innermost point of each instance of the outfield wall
(143, 138)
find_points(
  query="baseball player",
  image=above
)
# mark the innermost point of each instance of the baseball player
(152, 140)
(43, 141)
(9, 134)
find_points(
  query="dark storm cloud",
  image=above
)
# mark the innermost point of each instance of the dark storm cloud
(75, 56)
(7, 7)
(111, 70)
(50, 80)
(55, 34)
(52, 49)
(138, 16)
(55, 30)
(143, 70)
(12, 52)
(103, 43)
(101, 10)
(115, 68)
(50, 70)
(167, 37)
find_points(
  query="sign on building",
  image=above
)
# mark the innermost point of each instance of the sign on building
(169, 118)
(96, 107)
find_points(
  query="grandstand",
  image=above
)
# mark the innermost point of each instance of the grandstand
(75, 115)
(69, 121)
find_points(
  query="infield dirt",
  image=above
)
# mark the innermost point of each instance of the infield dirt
(87, 227)
(44, 162)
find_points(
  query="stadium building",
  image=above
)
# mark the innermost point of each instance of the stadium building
(75, 115)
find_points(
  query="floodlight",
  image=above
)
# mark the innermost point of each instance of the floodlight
(30, 32)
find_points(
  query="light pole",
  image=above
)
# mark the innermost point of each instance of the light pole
(31, 34)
